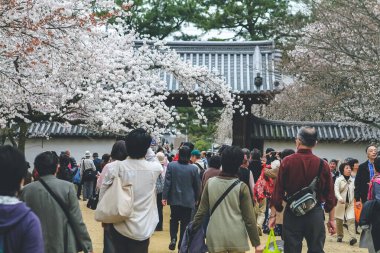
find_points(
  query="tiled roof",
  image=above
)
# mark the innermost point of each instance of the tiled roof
(327, 131)
(55, 129)
(261, 129)
(238, 62)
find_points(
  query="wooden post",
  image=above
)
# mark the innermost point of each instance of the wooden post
(241, 130)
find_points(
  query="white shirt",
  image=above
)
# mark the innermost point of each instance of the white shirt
(142, 174)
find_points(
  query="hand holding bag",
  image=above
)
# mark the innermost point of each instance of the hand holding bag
(117, 202)
(271, 246)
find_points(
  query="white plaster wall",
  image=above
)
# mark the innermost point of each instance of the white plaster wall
(77, 146)
(338, 151)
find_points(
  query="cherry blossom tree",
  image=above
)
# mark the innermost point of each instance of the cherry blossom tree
(338, 61)
(63, 61)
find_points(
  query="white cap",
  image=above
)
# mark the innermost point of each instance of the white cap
(87, 154)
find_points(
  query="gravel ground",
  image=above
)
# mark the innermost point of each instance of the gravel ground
(160, 240)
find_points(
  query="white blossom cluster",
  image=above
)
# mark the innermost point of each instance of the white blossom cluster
(339, 55)
(61, 62)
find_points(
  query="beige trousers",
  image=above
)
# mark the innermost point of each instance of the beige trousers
(261, 215)
(350, 225)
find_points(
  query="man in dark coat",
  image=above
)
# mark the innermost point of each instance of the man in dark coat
(365, 172)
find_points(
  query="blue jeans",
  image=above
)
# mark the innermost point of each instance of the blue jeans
(108, 244)
(88, 187)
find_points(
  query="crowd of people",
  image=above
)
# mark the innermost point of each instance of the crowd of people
(243, 190)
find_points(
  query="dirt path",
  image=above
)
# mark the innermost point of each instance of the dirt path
(160, 240)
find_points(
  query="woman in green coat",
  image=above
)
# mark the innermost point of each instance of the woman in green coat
(234, 220)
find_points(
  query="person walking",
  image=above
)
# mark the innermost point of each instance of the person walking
(296, 172)
(344, 214)
(141, 170)
(245, 175)
(255, 164)
(56, 205)
(365, 174)
(370, 219)
(234, 212)
(118, 153)
(181, 189)
(159, 189)
(272, 172)
(88, 176)
(212, 171)
(333, 164)
(20, 228)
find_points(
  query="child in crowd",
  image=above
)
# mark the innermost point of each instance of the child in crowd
(344, 213)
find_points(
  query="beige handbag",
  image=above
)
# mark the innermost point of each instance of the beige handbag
(117, 202)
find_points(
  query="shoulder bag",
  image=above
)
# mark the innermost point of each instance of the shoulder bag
(116, 204)
(194, 241)
(305, 199)
(65, 209)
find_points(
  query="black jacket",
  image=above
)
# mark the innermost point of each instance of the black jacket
(255, 167)
(370, 216)
(244, 174)
(361, 182)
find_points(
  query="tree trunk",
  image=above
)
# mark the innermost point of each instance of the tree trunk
(22, 136)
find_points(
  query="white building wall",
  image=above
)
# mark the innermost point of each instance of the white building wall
(77, 147)
(339, 151)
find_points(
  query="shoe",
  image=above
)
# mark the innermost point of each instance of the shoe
(84, 199)
(172, 244)
(158, 229)
(353, 241)
(357, 232)
(339, 239)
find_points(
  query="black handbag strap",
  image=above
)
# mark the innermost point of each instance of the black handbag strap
(224, 195)
(63, 207)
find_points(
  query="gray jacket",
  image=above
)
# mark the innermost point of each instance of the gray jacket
(182, 185)
(58, 234)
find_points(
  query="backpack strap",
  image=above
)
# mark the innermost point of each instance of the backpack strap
(224, 195)
(199, 166)
(316, 180)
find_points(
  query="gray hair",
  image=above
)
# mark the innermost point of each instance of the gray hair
(308, 136)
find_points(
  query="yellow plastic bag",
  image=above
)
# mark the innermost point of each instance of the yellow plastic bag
(274, 248)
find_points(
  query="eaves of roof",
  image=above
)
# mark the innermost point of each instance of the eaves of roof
(327, 131)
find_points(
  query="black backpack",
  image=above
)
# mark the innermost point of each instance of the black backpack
(66, 174)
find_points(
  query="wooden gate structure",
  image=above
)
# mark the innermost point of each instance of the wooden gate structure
(250, 69)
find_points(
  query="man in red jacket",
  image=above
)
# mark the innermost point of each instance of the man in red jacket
(296, 172)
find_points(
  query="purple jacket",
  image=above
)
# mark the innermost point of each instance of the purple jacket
(20, 229)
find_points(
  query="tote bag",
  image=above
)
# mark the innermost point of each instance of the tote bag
(117, 202)
(271, 246)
